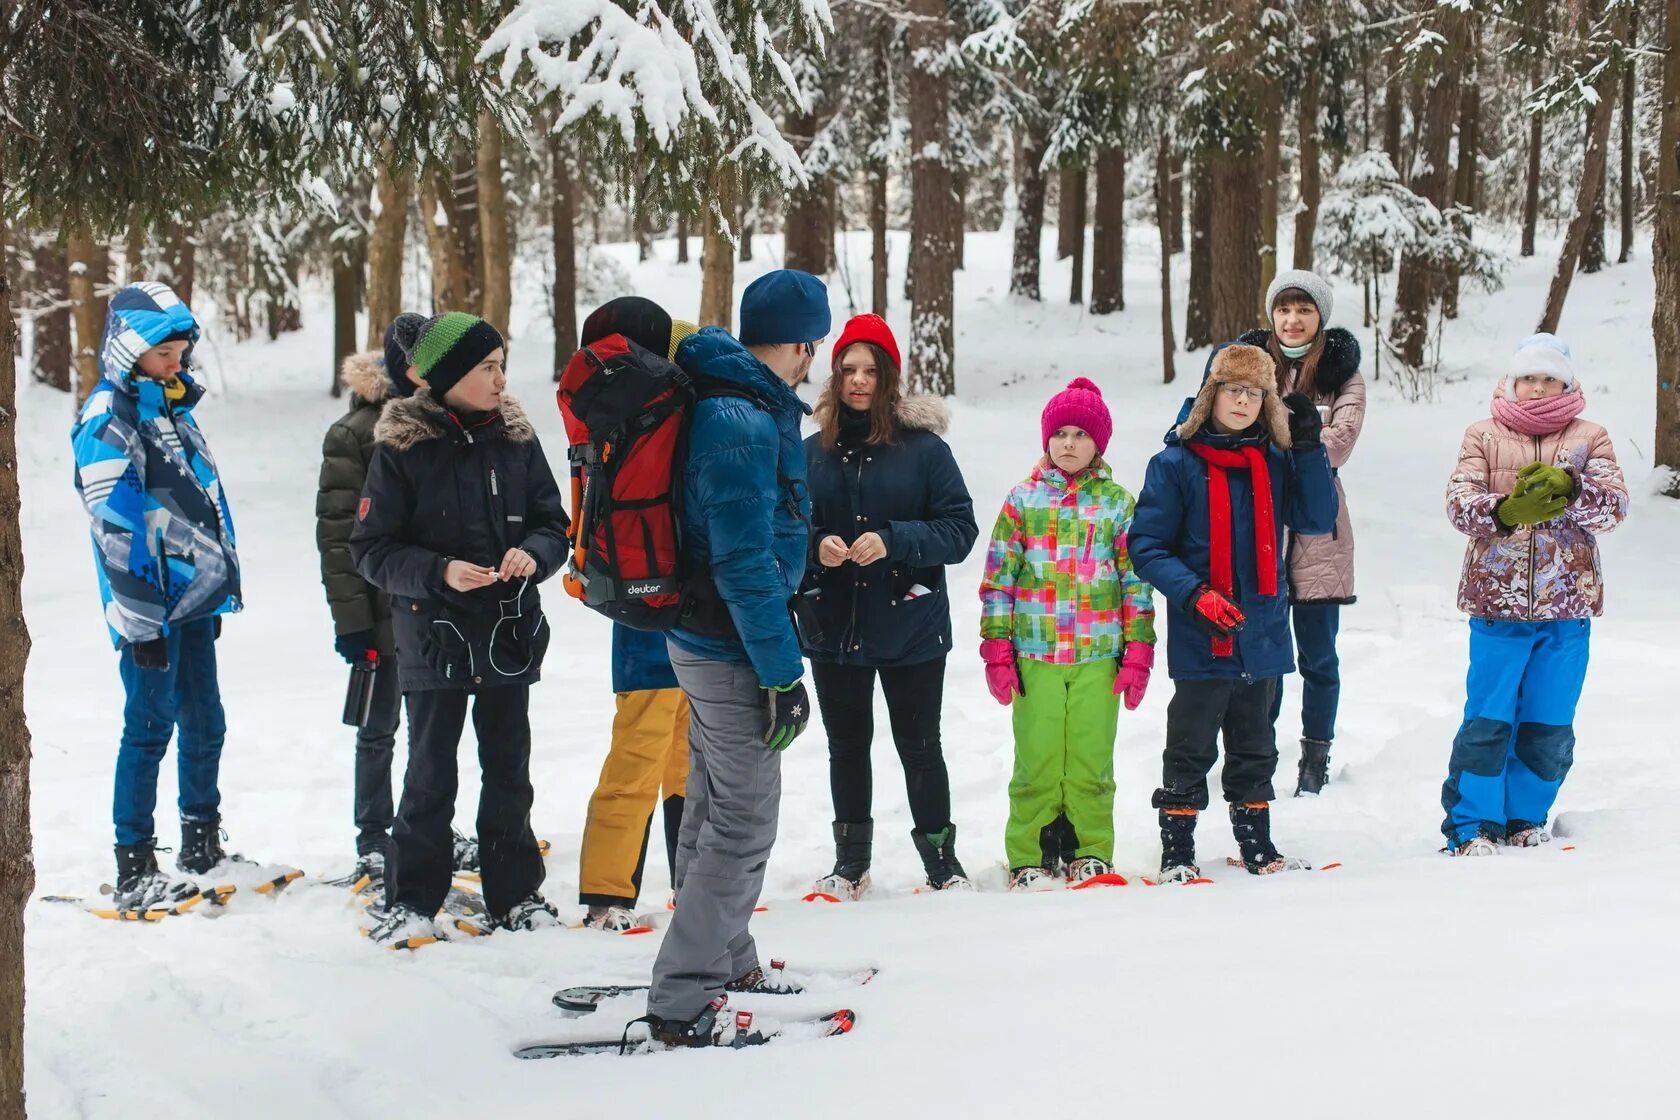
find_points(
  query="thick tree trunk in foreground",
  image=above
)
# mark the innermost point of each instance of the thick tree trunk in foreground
(1108, 233)
(1029, 211)
(562, 216)
(1235, 243)
(385, 252)
(1198, 311)
(717, 255)
(935, 214)
(494, 235)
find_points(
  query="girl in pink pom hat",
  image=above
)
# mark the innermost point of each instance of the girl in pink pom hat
(1067, 632)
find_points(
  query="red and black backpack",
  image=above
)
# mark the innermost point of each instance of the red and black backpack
(627, 412)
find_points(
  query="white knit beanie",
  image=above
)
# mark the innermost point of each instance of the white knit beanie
(1545, 354)
(1309, 282)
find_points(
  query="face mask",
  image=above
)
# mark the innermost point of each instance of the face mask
(1295, 353)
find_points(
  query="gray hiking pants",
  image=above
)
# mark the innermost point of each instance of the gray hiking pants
(729, 825)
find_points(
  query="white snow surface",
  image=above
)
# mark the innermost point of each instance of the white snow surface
(1403, 984)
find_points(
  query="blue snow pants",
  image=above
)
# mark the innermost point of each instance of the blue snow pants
(184, 696)
(1518, 737)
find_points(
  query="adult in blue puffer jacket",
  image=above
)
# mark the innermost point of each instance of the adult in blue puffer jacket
(746, 524)
(1208, 534)
(163, 546)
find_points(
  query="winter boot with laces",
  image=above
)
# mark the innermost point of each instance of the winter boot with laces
(141, 886)
(1251, 823)
(465, 853)
(201, 847)
(1477, 845)
(530, 913)
(1521, 834)
(939, 859)
(611, 919)
(402, 927)
(1031, 878)
(853, 845)
(1314, 773)
(756, 981)
(1178, 846)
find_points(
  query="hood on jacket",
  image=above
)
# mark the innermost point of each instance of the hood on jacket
(141, 316)
(1336, 366)
(714, 353)
(364, 375)
(1238, 363)
(408, 421)
(914, 414)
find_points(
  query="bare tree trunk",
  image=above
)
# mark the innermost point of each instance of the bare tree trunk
(1627, 214)
(1108, 233)
(493, 232)
(449, 271)
(1178, 180)
(1198, 311)
(1665, 264)
(1392, 113)
(54, 356)
(1163, 220)
(1469, 148)
(1076, 281)
(1593, 254)
(465, 226)
(562, 217)
(1588, 197)
(87, 270)
(1418, 282)
(134, 254)
(935, 217)
(804, 224)
(183, 261)
(347, 300)
(1030, 142)
(747, 220)
(1235, 237)
(1306, 217)
(682, 235)
(1069, 194)
(959, 218)
(385, 250)
(1271, 167)
(717, 255)
(878, 240)
(17, 859)
(641, 220)
(1531, 193)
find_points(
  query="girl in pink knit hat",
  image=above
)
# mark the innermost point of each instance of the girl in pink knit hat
(1067, 632)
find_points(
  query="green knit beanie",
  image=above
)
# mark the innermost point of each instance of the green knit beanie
(450, 345)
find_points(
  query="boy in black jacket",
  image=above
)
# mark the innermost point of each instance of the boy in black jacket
(460, 519)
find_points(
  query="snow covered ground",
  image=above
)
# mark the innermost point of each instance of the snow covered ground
(1402, 984)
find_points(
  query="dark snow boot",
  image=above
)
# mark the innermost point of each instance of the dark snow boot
(698, 1031)
(141, 886)
(853, 848)
(1314, 774)
(465, 853)
(1058, 843)
(1251, 823)
(939, 858)
(1178, 845)
(201, 846)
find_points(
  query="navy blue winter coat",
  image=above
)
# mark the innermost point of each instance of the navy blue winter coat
(1170, 540)
(746, 511)
(911, 492)
(640, 660)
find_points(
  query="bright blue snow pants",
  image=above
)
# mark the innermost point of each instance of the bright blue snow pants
(183, 697)
(1518, 738)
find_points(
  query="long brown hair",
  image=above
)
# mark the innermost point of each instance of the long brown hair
(1306, 382)
(883, 406)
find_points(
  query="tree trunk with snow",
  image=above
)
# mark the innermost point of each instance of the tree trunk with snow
(1469, 163)
(54, 357)
(746, 221)
(17, 859)
(562, 217)
(1306, 216)
(717, 254)
(1076, 272)
(682, 235)
(89, 263)
(494, 235)
(461, 205)
(1198, 310)
(182, 261)
(878, 258)
(1066, 201)
(1593, 254)
(1587, 197)
(347, 300)
(1271, 174)
(449, 271)
(1108, 233)
(1665, 264)
(1234, 238)
(934, 208)
(1030, 143)
(806, 222)
(1163, 220)
(1531, 191)
(1628, 110)
(385, 250)
(1393, 113)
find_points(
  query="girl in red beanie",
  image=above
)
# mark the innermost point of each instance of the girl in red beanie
(1067, 631)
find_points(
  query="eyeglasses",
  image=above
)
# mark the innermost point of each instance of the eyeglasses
(810, 349)
(1241, 392)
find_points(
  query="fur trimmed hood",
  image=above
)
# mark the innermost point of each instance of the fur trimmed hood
(1240, 364)
(922, 413)
(408, 421)
(1336, 366)
(364, 375)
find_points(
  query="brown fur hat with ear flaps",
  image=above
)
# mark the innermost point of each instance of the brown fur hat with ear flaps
(1241, 365)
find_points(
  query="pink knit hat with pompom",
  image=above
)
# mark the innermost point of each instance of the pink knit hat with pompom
(1080, 405)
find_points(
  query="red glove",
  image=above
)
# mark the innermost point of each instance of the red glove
(1002, 677)
(1133, 679)
(1216, 612)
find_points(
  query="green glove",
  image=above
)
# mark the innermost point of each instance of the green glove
(1557, 480)
(1529, 504)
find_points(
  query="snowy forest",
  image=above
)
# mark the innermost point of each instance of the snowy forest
(307, 170)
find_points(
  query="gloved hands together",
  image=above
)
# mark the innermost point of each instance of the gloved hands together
(355, 647)
(1305, 425)
(1003, 679)
(1533, 500)
(789, 710)
(1133, 678)
(1558, 480)
(1216, 613)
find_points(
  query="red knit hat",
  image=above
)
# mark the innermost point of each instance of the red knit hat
(867, 328)
(1080, 405)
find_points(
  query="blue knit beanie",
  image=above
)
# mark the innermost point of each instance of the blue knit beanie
(784, 306)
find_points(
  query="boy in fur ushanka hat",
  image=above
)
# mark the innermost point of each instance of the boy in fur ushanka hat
(1241, 465)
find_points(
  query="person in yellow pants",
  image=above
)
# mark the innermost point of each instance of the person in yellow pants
(646, 766)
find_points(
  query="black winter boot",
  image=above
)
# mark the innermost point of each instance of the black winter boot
(939, 858)
(201, 846)
(1251, 823)
(1314, 774)
(134, 862)
(141, 886)
(1178, 845)
(853, 847)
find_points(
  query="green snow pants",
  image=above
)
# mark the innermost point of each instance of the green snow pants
(1064, 758)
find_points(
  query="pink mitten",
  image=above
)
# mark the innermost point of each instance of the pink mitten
(1133, 679)
(1002, 677)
